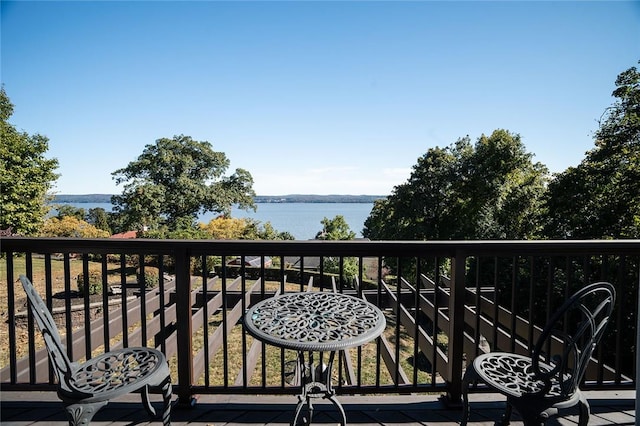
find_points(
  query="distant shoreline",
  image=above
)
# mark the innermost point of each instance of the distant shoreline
(292, 198)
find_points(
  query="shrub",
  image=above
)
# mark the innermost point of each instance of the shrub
(94, 282)
(442, 341)
(211, 263)
(151, 278)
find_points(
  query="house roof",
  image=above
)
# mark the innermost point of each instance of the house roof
(128, 234)
(251, 261)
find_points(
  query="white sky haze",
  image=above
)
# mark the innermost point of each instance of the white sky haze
(310, 97)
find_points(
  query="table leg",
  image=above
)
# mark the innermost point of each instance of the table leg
(316, 387)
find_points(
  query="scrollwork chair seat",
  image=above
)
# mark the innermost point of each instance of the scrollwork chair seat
(513, 375)
(86, 387)
(539, 385)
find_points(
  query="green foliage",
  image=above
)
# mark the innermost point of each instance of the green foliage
(151, 278)
(182, 230)
(99, 218)
(174, 180)
(210, 263)
(26, 175)
(490, 190)
(68, 210)
(94, 283)
(230, 228)
(337, 229)
(255, 230)
(72, 227)
(600, 198)
(442, 341)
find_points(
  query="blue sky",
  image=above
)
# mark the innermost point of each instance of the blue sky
(310, 97)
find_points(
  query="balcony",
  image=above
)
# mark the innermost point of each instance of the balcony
(444, 302)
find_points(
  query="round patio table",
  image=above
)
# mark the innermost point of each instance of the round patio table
(309, 322)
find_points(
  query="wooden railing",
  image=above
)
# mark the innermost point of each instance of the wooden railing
(445, 302)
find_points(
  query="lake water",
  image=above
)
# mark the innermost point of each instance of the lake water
(302, 220)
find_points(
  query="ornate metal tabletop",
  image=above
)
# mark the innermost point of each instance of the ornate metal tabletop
(315, 321)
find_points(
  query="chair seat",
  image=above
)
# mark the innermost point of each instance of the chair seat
(513, 375)
(538, 390)
(116, 373)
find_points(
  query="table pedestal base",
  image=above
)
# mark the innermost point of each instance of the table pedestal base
(312, 387)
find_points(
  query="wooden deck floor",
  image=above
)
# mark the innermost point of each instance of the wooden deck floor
(29, 408)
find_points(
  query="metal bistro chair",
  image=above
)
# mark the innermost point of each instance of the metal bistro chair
(538, 386)
(86, 387)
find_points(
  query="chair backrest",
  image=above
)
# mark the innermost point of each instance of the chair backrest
(62, 365)
(571, 335)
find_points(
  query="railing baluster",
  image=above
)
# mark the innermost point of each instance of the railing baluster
(67, 305)
(11, 305)
(435, 319)
(30, 322)
(513, 308)
(243, 304)
(123, 299)
(49, 301)
(142, 284)
(163, 320)
(87, 302)
(105, 303)
(223, 324)
(205, 322)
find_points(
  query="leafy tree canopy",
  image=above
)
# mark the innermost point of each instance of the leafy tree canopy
(600, 198)
(228, 228)
(26, 175)
(335, 229)
(174, 180)
(489, 190)
(72, 227)
(99, 218)
(63, 210)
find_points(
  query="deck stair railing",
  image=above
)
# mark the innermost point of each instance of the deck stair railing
(445, 303)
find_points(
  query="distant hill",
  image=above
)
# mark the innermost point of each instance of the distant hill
(293, 198)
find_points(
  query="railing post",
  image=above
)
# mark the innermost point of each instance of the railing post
(183, 325)
(456, 327)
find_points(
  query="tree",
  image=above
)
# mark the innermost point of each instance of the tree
(26, 175)
(174, 180)
(600, 198)
(99, 218)
(229, 228)
(337, 229)
(63, 210)
(490, 190)
(225, 228)
(72, 227)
